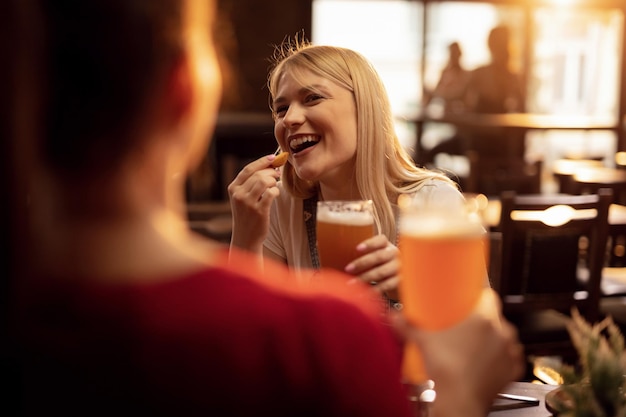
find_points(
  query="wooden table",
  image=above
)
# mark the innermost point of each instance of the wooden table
(527, 389)
(514, 408)
(518, 121)
(526, 121)
(600, 176)
(591, 179)
(571, 166)
(564, 169)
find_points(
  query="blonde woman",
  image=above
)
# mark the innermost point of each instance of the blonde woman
(333, 116)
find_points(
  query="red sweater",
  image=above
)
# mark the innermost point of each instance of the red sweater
(214, 343)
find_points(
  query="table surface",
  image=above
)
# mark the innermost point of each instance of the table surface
(600, 175)
(517, 408)
(527, 389)
(570, 166)
(526, 121)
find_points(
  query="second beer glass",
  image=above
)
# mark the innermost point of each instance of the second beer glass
(443, 254)
(341, 226)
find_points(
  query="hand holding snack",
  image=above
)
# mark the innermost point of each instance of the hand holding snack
(280, 160)
(251, 195)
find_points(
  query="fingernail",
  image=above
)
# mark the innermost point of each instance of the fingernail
(349, 268)
(352, 281)
(361, 247)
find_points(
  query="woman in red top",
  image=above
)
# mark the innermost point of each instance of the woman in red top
(127, 312)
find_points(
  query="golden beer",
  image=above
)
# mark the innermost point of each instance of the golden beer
(442, 273)
(341, 226)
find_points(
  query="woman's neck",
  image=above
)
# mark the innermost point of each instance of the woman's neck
(348, 191)
(128, 225)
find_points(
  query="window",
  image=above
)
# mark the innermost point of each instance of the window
(575, 61)
(388, 34)
(568, 57)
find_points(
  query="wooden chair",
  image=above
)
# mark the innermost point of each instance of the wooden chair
(617, 245)
(542, 255)
(613, 301)
(491, 175)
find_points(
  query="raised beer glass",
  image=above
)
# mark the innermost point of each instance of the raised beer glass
(443, 268)
(341, 226)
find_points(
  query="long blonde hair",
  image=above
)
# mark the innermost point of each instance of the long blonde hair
(383, 168)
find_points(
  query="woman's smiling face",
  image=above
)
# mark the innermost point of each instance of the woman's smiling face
(315, 120)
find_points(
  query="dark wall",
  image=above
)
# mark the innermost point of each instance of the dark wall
(247, 32)
(255, 27)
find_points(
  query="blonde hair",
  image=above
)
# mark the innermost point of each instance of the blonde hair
(383, 168)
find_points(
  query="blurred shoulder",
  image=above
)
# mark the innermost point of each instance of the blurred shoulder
(442, 191)
(329, 287)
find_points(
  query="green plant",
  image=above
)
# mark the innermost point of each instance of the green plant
(596, 387)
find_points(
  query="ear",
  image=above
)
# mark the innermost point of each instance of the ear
(179, 94)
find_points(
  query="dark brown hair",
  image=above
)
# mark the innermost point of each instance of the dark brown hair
(102, 60)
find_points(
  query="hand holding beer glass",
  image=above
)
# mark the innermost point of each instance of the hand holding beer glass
(443, 257)
(341, 226)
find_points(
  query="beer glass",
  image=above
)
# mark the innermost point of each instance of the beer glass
(341, 226)
(443, 268)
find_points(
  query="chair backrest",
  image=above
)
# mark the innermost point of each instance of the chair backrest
(495, 259)
(617, 245)
(545, 241)
(491, 175)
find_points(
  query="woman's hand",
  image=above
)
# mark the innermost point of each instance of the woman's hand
(251, 194)
(470, 362)
(378, 265)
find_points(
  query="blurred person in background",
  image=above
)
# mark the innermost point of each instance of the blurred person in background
(452, 84)
(496, 88)
(450, 92)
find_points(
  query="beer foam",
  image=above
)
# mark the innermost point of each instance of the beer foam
(436, 226)
(353, 218)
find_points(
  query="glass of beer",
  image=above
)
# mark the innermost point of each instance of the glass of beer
(341, 226)
(443, 268)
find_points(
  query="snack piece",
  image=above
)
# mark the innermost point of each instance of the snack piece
(280, 160)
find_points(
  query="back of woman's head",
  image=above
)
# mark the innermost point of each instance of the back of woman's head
(103, 60)
(352, 71)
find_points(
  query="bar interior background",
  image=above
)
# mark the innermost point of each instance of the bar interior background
(570, 55)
